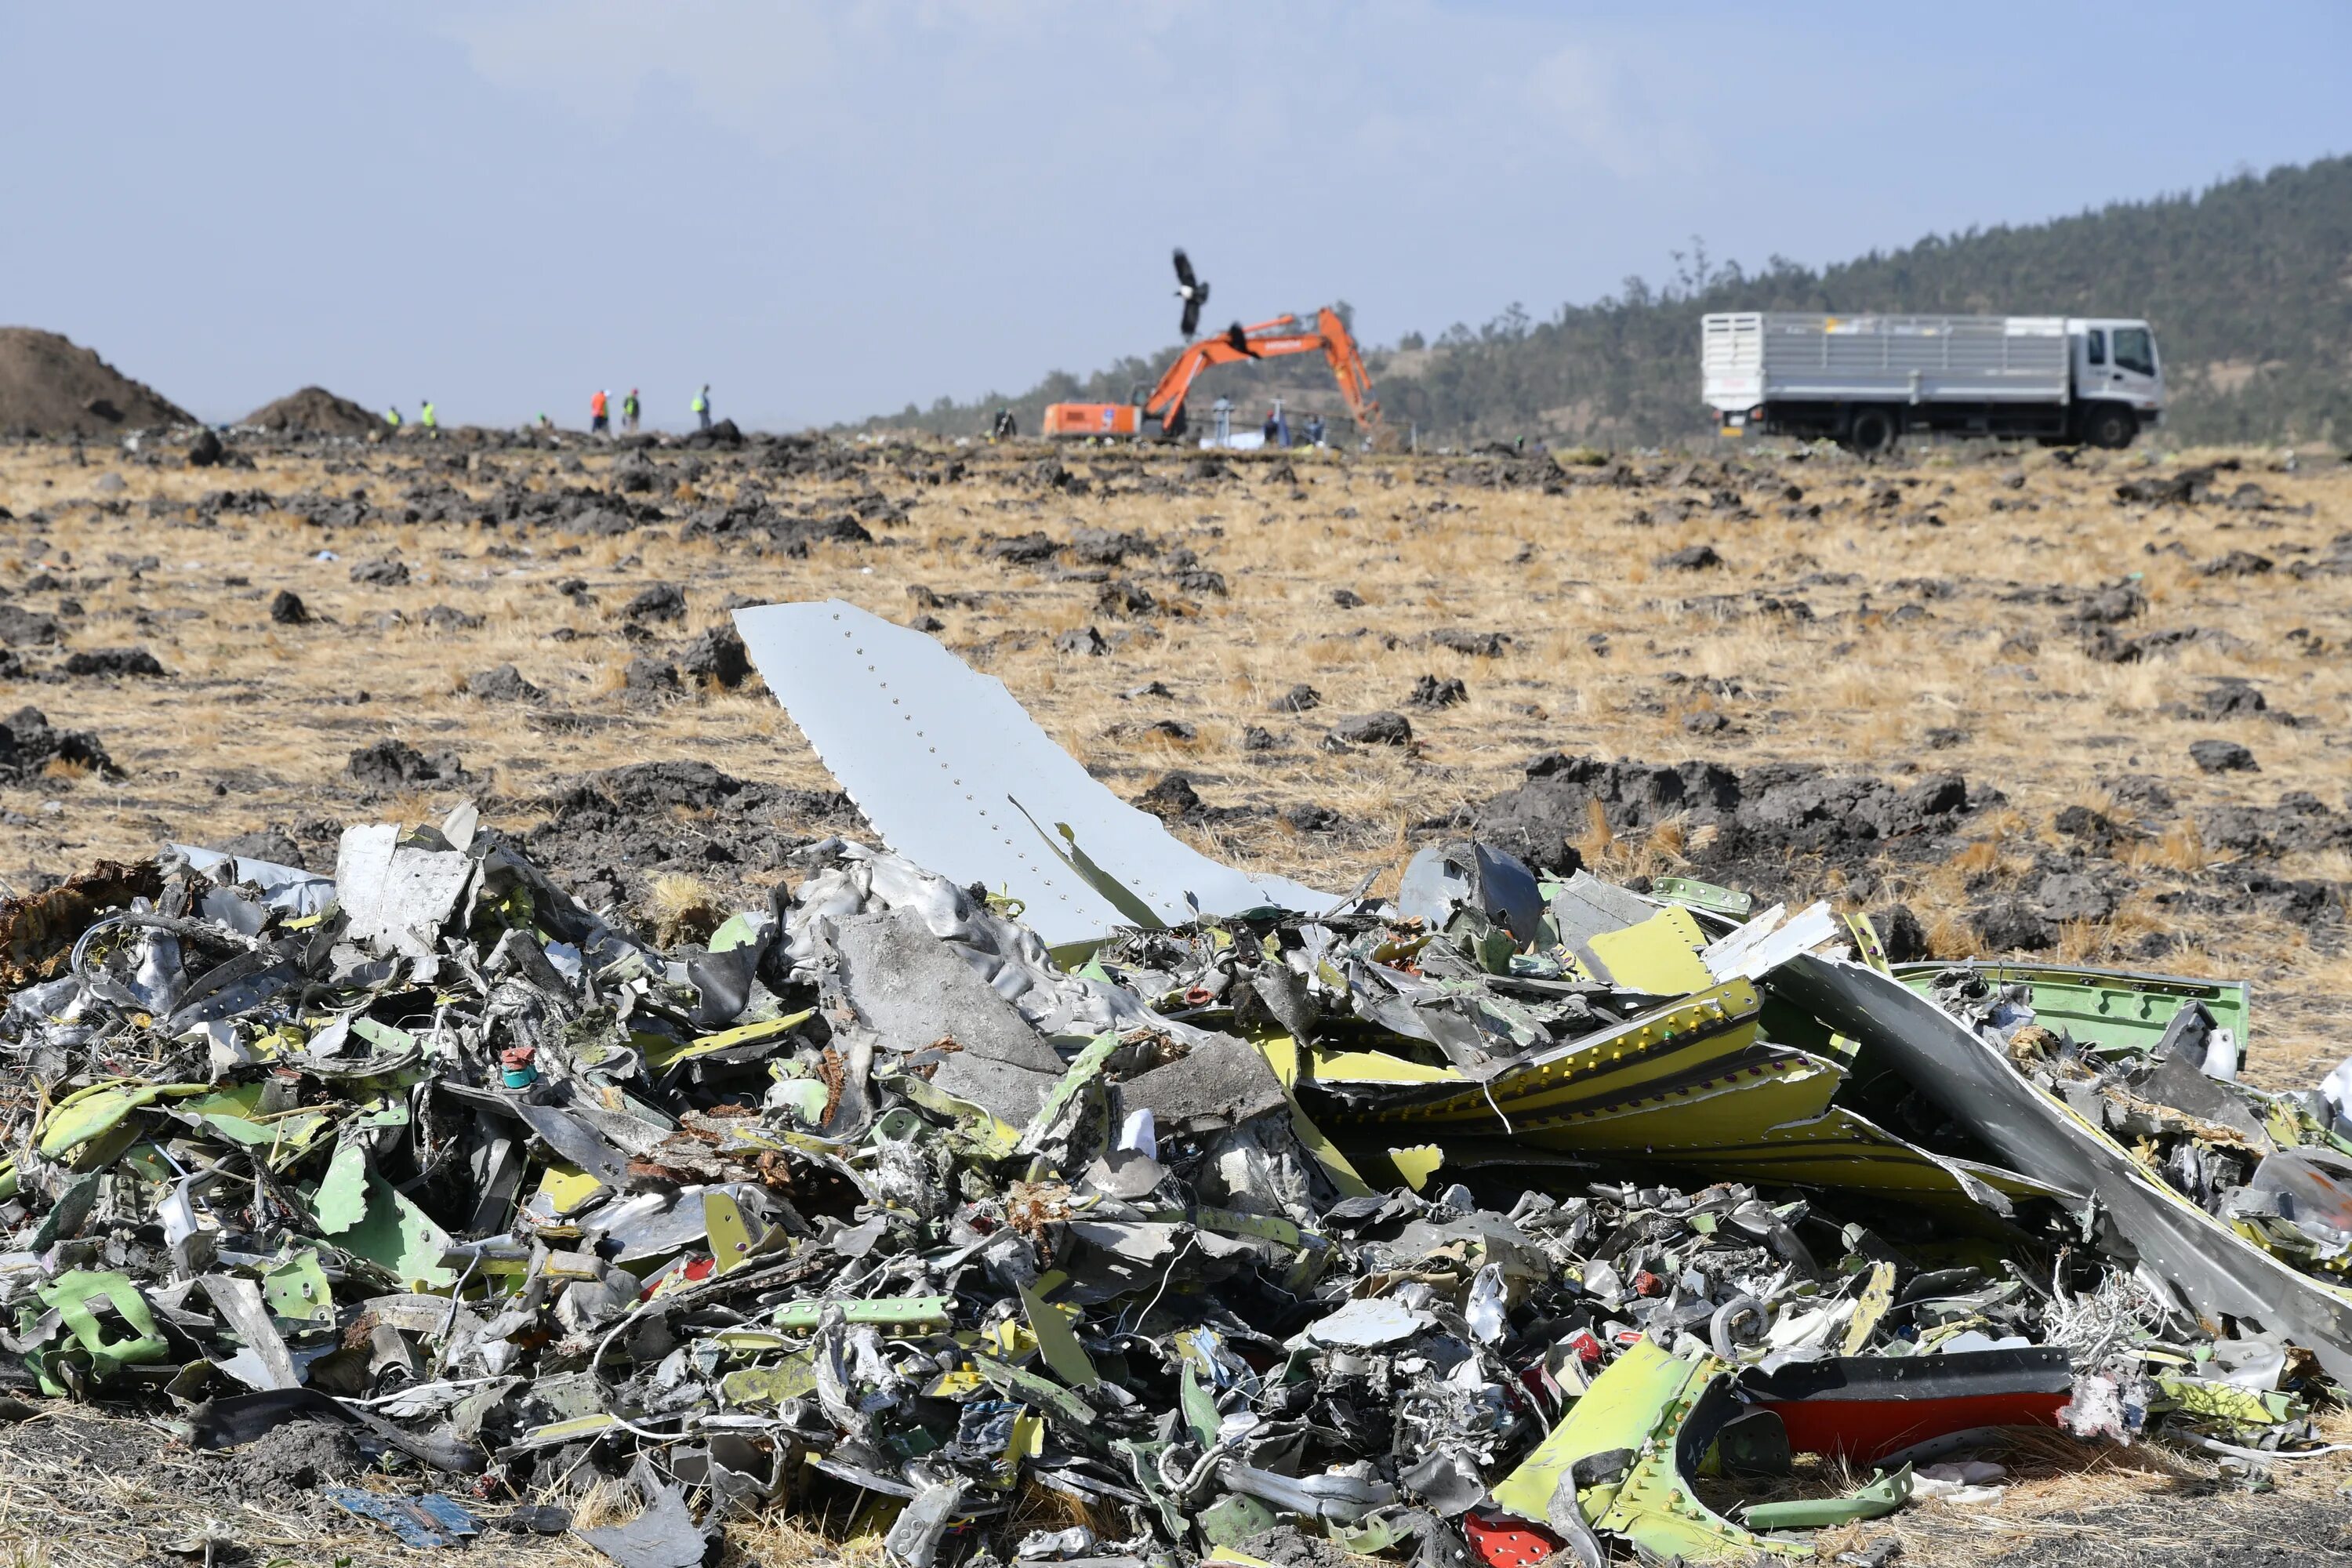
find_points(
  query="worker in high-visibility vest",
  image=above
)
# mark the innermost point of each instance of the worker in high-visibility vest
(702, 406)
(392, 417)
(629, 411)
(600, 421)
(426, 417)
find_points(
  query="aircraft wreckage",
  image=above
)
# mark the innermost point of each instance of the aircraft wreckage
(1037, 1153)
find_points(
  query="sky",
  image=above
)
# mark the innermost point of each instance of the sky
(831, 208)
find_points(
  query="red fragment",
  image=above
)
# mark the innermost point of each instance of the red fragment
(1501, 1540)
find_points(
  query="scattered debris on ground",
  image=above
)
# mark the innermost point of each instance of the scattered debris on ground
(1040, 1189)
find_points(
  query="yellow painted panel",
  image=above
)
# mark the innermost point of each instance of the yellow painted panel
(1659, 955)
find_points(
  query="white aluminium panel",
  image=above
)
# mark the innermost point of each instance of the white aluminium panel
(944, 764)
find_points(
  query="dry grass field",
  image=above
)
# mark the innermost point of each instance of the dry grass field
(1940, 612)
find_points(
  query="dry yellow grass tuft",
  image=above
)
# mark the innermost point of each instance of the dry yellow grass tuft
(684, 910)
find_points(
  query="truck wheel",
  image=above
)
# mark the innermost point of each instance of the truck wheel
(1872, 433)
(2109, 426)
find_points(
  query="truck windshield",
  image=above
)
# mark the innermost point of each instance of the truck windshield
(2136, 349)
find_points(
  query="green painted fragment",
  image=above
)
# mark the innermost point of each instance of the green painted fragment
(293, 1136)
(2226, 1403)
(1621, 1410)
(662, 1052)
(65, 1217)
(298, 1291)
(805, 1098)
(1698, 895)
(86, 1114)
(2118, 1012)
(383, 1036)
(1057, 1342)
(791, 1378)
(1083, 1070)
(1369, 1537)
(144, 1161)
(1075, 1419)
(341, 1200)
(1200, 1407)
(237, 1130)
(392, 1054)
(72, 1296)
(1631, 1423)
(1416, 1165)
(397, 1236)
(988, 1136)
(557, 1433)
(751, 1342)
(1233, 1519)
(391, 1111)
(1136, 911)
(1885, 1493)
(882, 1312)
(1492, 949)
(740, 929)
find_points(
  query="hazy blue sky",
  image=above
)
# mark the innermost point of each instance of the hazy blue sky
(832, 209)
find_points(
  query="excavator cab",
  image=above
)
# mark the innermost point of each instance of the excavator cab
(1099, 419)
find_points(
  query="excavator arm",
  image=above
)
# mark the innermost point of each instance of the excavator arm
(1274, 339)
(1348, 369)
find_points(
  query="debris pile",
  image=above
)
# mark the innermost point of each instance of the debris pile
(1504, 1216)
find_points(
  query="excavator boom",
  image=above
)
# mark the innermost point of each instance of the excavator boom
(1274, 339)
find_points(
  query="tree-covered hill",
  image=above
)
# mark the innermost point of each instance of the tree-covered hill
(2249, 284)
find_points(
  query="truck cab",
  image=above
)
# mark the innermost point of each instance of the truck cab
(2118, 379)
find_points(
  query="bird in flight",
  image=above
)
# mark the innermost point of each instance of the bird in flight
(1192, 292)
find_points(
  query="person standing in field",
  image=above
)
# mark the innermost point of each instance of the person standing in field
(629, 411)
(702, 406)
(427, 418)
(600, 420)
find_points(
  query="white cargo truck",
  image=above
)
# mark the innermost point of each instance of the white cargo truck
(1867, 381)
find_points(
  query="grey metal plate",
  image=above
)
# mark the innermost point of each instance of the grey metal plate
(2214, 1269)
(936, 754)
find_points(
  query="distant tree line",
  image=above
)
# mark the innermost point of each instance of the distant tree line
(2248, 283)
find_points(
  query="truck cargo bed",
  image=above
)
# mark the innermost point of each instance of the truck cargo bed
(1755, 358)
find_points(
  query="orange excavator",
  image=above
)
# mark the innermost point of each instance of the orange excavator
(1163, 413)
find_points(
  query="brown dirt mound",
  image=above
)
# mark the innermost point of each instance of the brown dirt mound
(50, 386)
(313, 411)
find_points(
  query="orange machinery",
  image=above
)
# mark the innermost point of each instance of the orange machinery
(1163, 413)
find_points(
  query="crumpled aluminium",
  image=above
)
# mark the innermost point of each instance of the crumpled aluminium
(874, 1207)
